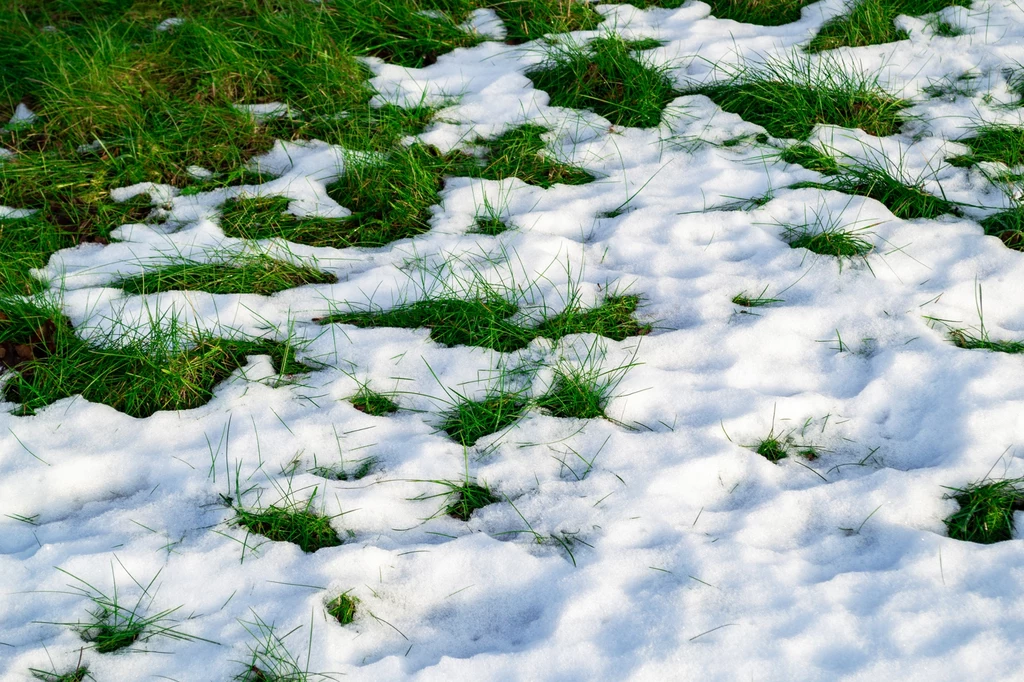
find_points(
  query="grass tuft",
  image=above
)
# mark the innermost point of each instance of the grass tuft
(169, 369)
(758, 301)
(1008, 226)
(761, 12)
(342, 608)
(963, 338)
(986, 511)
(293, 523)
(993, 143)
(462, 498)
(772, 449)
(484, 321)
(373, 403)
(872, 22)
(577, 392)
(470, 420)
(606, 77)
(788, 98)
(905, 200)
(519, 152)
(527, 20)
(811, 158)
(830, 241)
(248, 274)
(79, 674)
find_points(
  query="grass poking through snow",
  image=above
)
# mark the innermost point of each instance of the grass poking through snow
(467, 420)
(788, 98)
(761, 12)
(986, 511)
(872, 22)
(248, 274)
(484, 320)
(373, 402)
(293, 522)
(342, 608)
(168, 369)
(1008, 226)
(993, 142)
(607, 77)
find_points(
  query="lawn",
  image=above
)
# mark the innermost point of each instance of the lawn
(511, 339)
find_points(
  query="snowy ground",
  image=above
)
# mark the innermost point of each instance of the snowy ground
(695, 558)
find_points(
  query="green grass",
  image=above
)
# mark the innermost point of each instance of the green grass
(872, 22)
(269, 658)
(578, 392)
(248, 274)
(295, 523)
(489, 225)
(963, 338)
(517, 153)
(467, 421)
(772, 449)
(527, 20)
(462, 498)
(483, 321)
(758, 301)
(993, 143)
(168, 369)
(114, 624)
(811, 158)
(608, 78)
(986, 511)
(789, 98)
(78, 674)
(342, 608)
(761, 12)
(1008, 226)
(828, 241)
(372, 402)
(905, 200)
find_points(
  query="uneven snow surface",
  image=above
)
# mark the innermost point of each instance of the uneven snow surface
(695, 558)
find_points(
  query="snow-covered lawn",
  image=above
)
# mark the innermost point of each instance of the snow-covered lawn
(652, 544)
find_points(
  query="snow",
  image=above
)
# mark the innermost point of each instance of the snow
(695, 558)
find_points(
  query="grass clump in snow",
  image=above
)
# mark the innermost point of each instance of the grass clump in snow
(872, 22)
(269, 658)
(993, 142)
(963, 338)
(832, 240)
(467, 420)
(373, 402)
(745, 300)
(168, 368)
(490, 225)
(518, 153)
(772, 448)
(462, 498)
(292, 522)
(264, 218)
(761, 12)
(580, 390)
(811, 158)
(788, 98)
(527, 20)
(906, 200)
(1008, 226)
(483, 319)
(342, 608)
(115, 625)
(78, 674)
(986, 511)
(606, 77)
(249, 274)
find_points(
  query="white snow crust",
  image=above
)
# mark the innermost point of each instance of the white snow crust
(695, 558)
